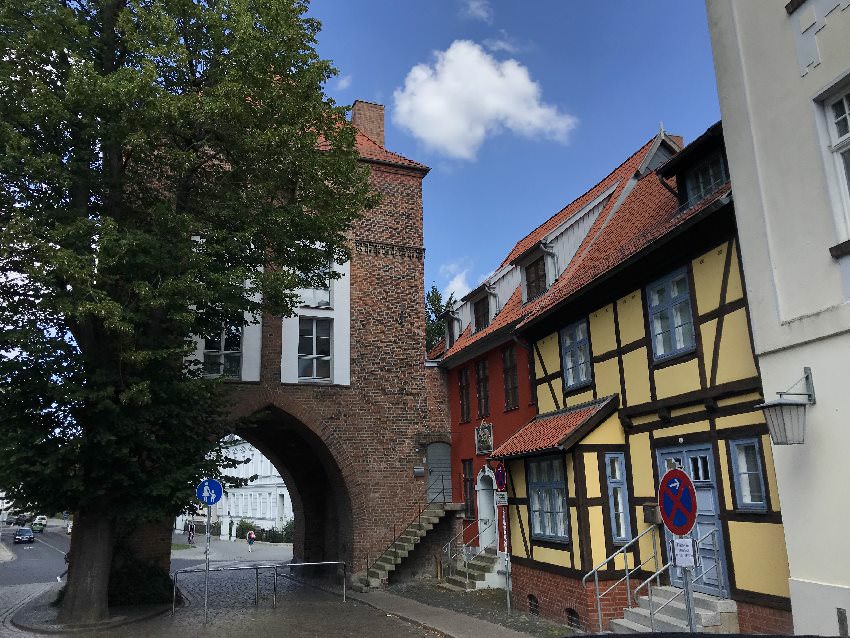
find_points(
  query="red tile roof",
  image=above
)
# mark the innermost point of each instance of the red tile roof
(514, 312)
(370, 150)
(649, 212)
(437, 351)
(549, 431)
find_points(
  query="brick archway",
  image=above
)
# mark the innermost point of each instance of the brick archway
(319, 494)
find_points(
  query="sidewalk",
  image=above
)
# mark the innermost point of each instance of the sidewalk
(449, 623)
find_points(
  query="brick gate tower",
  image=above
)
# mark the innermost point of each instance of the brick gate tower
(335, 397)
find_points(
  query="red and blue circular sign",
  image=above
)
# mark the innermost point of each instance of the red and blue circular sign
(501, 477)
(677, 499)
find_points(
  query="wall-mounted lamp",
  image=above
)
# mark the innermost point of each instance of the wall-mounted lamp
(786, 418)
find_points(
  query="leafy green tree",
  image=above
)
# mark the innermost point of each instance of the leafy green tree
(435, 324)
(155, 155)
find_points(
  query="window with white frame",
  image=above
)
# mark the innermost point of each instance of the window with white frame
(547, 492)
(575, 355)
(749, 477)
(838, 114)
(317, 297)
(314, 349)
(618, 497)
(670, 320)
(223, 352)
(706, 177)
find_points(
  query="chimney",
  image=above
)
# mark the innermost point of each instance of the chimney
(369, 118)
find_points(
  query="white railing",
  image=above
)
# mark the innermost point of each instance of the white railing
(465, 548)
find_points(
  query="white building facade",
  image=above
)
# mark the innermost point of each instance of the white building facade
(783, 75)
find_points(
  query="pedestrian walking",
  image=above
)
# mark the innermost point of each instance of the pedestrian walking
(251, 537)
(192, 533)
(67, 566)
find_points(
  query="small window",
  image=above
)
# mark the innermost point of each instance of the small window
(535, 278)
(575, 354)
(533, 605)
(670, 320)
(468, 489)
(223, 352)
(706, 177)
(314, 349)
(481, 310)
(700, 468)
(482, 379)
(618, 497)
(548, 499)
(749, 478)
(463, 388)
(509, 378)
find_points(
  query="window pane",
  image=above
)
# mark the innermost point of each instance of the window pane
(845, 156)
(657, 296)
(212, 364)
(843, 126)
(581, 331)
(212, 342)
(323, 327)
(323, 368)
(839, 109)
(233, 337)
(305, 345)
(695, 469)
(305, 368)
(532, 473)
(614, 468)
(756, 492)
(684, 329)
(678, 287)
(323, 346)
(232, 367)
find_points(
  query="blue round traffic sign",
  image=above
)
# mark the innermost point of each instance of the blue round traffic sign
(677, 499)
(209, 491)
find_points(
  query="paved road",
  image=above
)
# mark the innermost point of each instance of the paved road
(40, 562)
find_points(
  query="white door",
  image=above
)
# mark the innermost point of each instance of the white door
(487, 528)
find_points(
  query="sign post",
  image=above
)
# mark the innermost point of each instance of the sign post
(209, 492)
(502, 501)
(677, 500)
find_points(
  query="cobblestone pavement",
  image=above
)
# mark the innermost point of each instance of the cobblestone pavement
(12, 598)
(486, 604)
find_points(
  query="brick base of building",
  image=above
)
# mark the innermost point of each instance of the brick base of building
(757, 619)
(563, 598)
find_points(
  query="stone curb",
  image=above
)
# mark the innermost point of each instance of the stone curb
(6, 554)
(414, 621)
(150, 611)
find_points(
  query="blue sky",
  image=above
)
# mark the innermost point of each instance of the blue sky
(517, 107)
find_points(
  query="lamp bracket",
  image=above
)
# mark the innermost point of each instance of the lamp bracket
(809, 387)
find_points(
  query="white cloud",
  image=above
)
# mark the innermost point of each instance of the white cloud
(343, 82)
(478, 10)
(503, 42)
(458, 275)
(467, 95)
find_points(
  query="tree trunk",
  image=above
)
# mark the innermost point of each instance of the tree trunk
(87, 592)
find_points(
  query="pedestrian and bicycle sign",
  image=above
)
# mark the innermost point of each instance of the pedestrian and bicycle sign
(677, 500)
(209, 491)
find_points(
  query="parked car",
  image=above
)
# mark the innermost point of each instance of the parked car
(38, 527)
(24, 535)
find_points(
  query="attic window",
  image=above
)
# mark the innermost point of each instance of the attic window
(481, 312)
(706, 177)
(535, 278)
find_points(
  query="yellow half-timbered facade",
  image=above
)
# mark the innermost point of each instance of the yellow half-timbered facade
(643, 362)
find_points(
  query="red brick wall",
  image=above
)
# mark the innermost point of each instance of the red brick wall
(505, 423)
(369, 118)
(556, 593)
(437, 395)
(757, 619)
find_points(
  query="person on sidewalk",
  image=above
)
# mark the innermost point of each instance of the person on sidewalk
(192, 533)
(67, 566)
(251, 537)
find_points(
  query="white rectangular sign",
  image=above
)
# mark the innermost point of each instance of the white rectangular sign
(683, 552)
(501, 498)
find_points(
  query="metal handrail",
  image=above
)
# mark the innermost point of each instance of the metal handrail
(418, 517)
(466, 559)
(657, 574)
(256, 568)
(447, 546)
(624, 550)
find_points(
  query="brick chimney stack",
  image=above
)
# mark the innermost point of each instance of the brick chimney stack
(369, 118)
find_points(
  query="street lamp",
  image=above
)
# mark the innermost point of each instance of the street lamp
(786, 418)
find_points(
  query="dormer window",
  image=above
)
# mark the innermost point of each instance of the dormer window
(481, 313)
(535, 278)
(706, 177)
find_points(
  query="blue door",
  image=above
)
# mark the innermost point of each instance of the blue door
(697, 461)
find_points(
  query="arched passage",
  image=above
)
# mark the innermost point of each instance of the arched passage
(320, 498)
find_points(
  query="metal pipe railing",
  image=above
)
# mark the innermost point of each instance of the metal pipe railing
(447, 548)
(624, 550)
(469, 544)
(256, 568)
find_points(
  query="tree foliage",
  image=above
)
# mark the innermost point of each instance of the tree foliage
(155, 157)
(435, 324)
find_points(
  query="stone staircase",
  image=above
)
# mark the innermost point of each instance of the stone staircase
(379, 571)
(482, 572)
(713, 615)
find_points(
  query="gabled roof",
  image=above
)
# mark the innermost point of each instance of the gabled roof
(557, 430)
(513, 312)
(648, 213)
(371, 151)
(437, 351)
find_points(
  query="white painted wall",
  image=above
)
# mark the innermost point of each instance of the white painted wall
(772, 70)
(340, 312)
